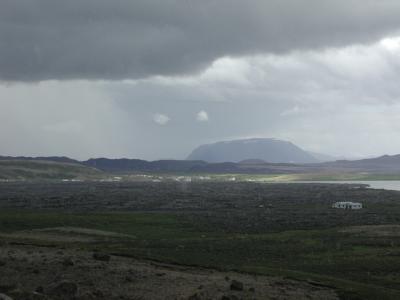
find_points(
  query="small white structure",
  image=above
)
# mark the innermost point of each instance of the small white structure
(347, 205)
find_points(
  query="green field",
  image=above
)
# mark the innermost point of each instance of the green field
(360, 266)
(306, 177)
(39, 170)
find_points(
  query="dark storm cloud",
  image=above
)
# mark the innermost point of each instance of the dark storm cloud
(343, 102)
(103, 39)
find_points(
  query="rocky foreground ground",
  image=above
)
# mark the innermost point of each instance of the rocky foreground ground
(33, 272)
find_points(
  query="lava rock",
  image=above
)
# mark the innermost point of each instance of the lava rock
(195, 297)
(6, 287)
(68, 262)
(87, 296)
(25, 295)
(5, 297)
(64, 290)
(231, 297)
(128, 279)
(101, 256)
(236, 285)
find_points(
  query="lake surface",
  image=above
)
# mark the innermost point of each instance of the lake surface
(374, 184)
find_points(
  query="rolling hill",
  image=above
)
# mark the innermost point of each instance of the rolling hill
(42, 169)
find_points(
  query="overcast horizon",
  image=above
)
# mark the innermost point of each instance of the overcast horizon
(154, 79)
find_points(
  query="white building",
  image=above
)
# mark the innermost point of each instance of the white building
(347, 205)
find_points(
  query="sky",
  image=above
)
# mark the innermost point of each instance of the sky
(153, 79)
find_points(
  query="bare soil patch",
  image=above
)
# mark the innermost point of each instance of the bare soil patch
(30, 272)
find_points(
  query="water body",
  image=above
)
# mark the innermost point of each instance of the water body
(374, 184)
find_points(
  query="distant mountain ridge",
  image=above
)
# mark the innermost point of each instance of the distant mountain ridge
(385, 163)
(388, 163)
(380, 165)
(266, 149)
(60, 159)
(129, 165)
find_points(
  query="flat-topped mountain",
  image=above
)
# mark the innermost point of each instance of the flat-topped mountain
(264, 149)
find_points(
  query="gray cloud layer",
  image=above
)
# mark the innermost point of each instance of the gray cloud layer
(340, 101)
(102, 39)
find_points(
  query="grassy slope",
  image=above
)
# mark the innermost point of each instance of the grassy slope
(344, 176)
(21, 169)
(361, 267)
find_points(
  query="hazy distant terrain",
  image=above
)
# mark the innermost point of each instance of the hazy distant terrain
(384, 167)
(269, 150)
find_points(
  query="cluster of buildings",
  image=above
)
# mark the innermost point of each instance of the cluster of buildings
(347, 205)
